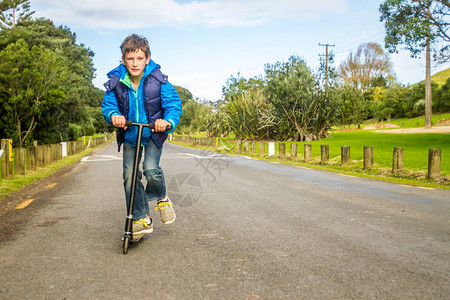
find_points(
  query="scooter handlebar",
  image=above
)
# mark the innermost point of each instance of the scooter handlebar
(149, 125)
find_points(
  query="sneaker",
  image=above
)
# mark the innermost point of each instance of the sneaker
(141, 227)
(166, 211)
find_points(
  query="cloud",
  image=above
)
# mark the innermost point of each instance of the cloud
(115, 14)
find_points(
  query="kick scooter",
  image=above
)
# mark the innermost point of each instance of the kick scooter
(128, 235)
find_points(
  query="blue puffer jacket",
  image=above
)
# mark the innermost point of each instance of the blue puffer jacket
(154, 99)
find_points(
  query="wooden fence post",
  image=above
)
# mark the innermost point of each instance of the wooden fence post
(308, 154)
(261, 148)
(397, 160)
(31, 158)
(47, 154)
(60, 150)
(57, 151)
(246, 146)
(74, 147)
(368, 157)
(80, 146)
(19, 161)
(294, 147)
(39, 156)
(239, 146)
(6, 159)
(69, 148)
(253, 146)
(52, 153)
(345, 155)
(324, 153)
(3, 166)
(434, 163)
(282, 149)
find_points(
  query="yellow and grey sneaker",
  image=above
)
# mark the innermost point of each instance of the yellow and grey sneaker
(141, 227)
(166, 211)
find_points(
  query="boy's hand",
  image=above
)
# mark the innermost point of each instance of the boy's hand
(118, 121)
(160, 125)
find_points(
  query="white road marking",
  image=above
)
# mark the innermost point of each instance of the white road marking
(100, 158)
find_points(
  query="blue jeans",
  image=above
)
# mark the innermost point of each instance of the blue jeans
(156, 187)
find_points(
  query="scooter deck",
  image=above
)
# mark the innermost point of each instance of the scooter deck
(132, 241)
(135, 240)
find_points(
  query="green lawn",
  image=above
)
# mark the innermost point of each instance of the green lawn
(405, 122)
(415, 148)
(412, 122)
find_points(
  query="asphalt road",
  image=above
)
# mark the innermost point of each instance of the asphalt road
(245, 229)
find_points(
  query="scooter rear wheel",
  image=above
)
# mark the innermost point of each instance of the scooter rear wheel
(126, 243)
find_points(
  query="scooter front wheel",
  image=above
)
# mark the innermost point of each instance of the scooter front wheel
(126, 243)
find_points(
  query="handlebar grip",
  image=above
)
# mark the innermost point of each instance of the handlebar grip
(152, 126)
(129, 123)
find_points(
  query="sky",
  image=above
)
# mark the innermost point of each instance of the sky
(200, 44)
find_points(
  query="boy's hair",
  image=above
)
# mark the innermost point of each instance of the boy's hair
(134, 43)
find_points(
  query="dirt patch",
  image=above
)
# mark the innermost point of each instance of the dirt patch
(443, 122)
(378, 126)
(434, 129)
(347, 129)
(392, 128)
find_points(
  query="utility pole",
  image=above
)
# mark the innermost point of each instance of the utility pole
(326, 63)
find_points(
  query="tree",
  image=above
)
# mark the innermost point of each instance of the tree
(14, 11)
(218, 122)
(246, 112)
(80, 93)
(31, 80)
(194, 112)
(236, 86)
(443, 105)
(351, 104)
(418, 25)
(415, 98)
(185, 94)
(301, 108)
(250, 115)
(392, 104)
(368, 64)
(194, 116)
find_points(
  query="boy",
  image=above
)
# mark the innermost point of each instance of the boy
(139, 92)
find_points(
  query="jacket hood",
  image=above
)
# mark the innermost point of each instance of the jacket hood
(121, 70)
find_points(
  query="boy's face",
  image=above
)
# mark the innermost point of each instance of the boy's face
(135, 63)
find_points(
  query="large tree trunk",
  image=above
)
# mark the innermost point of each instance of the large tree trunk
(428, 109)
